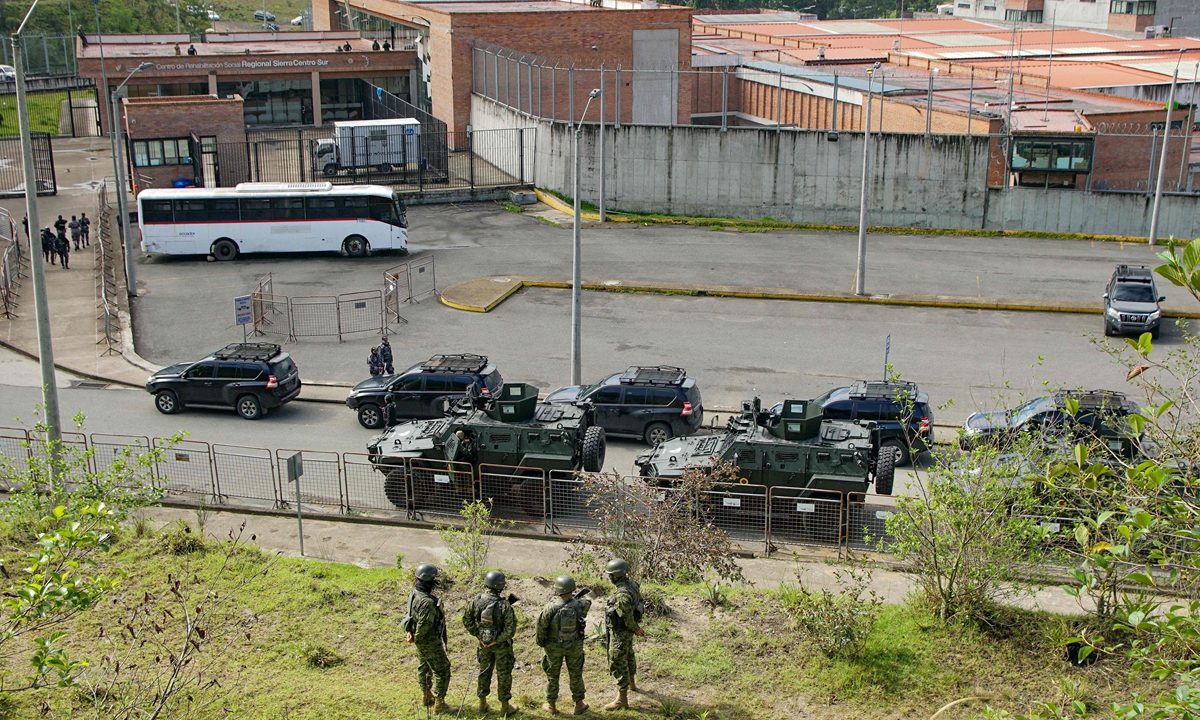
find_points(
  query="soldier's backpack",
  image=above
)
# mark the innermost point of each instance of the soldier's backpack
(639, 604)
(486, 617)
(568, 624)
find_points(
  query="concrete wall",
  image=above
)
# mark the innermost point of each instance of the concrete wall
(799, 176)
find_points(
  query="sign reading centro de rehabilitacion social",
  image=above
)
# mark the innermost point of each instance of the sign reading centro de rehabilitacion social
(239, 64)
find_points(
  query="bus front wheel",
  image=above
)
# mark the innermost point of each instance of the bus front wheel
(225, 249)
(355, 246)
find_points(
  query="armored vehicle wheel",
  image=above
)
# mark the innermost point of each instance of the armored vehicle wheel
(593, 449)
(885, 471)
(393, 489)
(897, 448)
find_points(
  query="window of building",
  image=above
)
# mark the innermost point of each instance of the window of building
(154, 153)
(272, 102)
(965, 5)
(1132, 7)
(1032, 16)
(1052, 154)
(341, 99)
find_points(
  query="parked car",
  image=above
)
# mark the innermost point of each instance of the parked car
(1100, 415)
(8, 73)
(1131, 302)
(900, 410)
(424, 390)
(213, 15)
(651, 403)
(261, 15)
(298, 20)
(251, 378)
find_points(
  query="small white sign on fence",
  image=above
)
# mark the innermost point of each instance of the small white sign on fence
(806, 507)
(443, 479)
(243, 311)
(731, 502)
(1052, 526)
(882, 514)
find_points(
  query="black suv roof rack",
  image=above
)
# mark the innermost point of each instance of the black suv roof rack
(659, 375)
(464, 363)
(255, 352)
(1140, 273)
(883, 390)
(1097, 400)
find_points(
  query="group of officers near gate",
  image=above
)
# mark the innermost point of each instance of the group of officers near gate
(561, 632)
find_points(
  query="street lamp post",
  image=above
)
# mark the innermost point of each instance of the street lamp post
(1162, 160)
(119, 173)
(576, 269)
(860, 283)
(41, 303)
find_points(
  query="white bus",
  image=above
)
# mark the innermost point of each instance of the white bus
(272, 217)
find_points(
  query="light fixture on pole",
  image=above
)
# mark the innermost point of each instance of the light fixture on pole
(860, 283)
(576, 269)
(119, 174)
(38, 265)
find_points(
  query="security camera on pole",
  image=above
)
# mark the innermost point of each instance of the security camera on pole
(576, 277)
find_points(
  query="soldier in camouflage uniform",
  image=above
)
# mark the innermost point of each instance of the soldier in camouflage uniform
(425, 624)
(490, 619)
(623, 617)
(560, 632)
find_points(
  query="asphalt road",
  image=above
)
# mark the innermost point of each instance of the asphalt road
(735, 348)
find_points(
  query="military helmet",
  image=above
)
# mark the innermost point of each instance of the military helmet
(617, 568)
(426, 572)
(564, 585)
(494, 580)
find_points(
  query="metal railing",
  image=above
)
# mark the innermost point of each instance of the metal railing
(756, 517)
(12, 174)
(12, 266)
(407, 283)
(108, 321)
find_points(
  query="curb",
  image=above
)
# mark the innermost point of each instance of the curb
(960, 303)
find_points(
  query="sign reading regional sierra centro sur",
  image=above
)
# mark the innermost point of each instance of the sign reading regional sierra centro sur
(242, 64)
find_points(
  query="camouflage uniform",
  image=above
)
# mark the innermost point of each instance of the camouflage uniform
(622, 623)
(549, 634)
(434, 666)
(499, 628)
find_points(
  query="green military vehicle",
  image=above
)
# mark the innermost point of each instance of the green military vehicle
(792, 447)
(511, 430)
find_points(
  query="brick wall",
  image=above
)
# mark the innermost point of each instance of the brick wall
(1124, 152)
(178, 117)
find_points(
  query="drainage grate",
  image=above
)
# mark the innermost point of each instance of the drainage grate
(89, 385)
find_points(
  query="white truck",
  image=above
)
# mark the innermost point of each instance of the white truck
(381, 146)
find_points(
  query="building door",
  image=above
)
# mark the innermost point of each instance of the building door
(655, 84)
(209, 170)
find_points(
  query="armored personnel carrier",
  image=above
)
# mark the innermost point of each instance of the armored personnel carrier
(792, 447)
(510, 429)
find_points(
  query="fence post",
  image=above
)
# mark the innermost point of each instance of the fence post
(71, 111)
(617, 120)
(1153, 157)
(521, 155)
(471, 157)
(518, 85)
(300, 151)
(725, 98)
(553, 92)
(496, 76)
(571, 96)
(540, 89)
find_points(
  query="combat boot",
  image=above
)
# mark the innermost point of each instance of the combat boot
(633, 684)
(440, 706)
(622, 701)
(580, 707)
(506, 709)
(550, 707)
(427, 697)
(483, 706)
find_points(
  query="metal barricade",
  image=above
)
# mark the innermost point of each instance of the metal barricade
(570, 502)
(360, 311)
(368, 491)
(272, 314)
(866, 521)
(739, 510)
(395, 292)
(74, 445)
(801, 517)
(439, 487)
(14, 451)
(514, 493)
(244, 473)
(185, 468)
(321, 483)
(422, 279)
(314, 316)
(108, 450)
(1059, 530)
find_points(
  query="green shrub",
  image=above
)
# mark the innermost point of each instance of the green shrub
(837, 623)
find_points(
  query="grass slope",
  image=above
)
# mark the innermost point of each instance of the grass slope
(740, 662)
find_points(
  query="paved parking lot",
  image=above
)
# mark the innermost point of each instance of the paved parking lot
(736, 348)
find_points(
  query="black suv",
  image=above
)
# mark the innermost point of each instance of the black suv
(899, 409)
(249, 377)
(1101, 414)
(424, 390)
(1131, 302)
(651, 403)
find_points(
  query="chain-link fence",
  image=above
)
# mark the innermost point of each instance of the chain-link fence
(800, 518)
(514, 493)
(52, 55)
